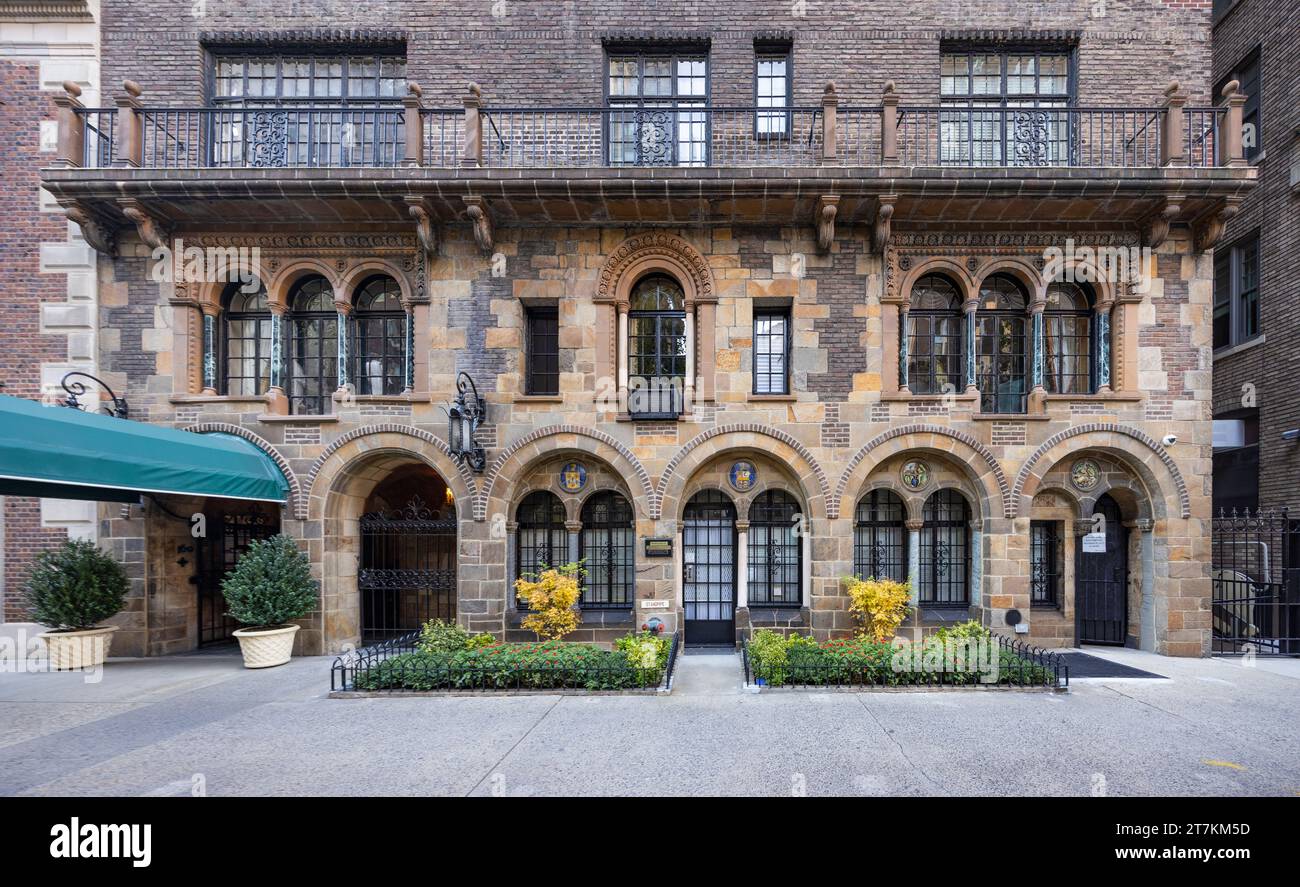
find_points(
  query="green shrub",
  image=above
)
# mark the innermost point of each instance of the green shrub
(75, 587)
(438, 637)
(270, 585)
(769, 654)
(645, 650)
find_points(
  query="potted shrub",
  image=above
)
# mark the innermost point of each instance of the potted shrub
(72, 589)
(270, 586)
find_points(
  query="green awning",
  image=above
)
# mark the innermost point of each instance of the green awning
(62, 453)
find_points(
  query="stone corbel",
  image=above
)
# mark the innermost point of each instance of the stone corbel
(477, 210)
(1157, 227)
(827, 207)
(884, 213)
(1210, 227)
(151, 229)
(101, 237)
(424, 229)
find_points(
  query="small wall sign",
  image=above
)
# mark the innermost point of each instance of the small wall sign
(573, 477)
(743, 476)
(1094, 543)
(659, 547)
(654, 605)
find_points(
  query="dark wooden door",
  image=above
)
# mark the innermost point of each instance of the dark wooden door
(1101, 582)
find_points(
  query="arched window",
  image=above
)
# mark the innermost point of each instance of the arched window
(775, 553)
(541, 539)
(945, 551)
(606, 548)
(313, 347)
(1067, 340)
(1001, 345)
(379, 338)
(246, 348)
(934, 346)
(880, 537)
(656, 348)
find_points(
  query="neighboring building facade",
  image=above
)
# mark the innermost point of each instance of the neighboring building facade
(756, 299)
(1256, 462)
(48, 293)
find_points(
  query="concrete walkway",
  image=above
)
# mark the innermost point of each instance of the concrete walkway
(167, 726)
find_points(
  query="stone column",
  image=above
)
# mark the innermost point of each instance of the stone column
(621, 356)
(830, 122)
(277, 402)
(574, 528)
(472, 156)
(413, 120)
(1147, 609)
(914, 526)
(805, 577)
(690, 361)
(72, 127)
(209, 350)
(904, 330)
(129, 131)
(1172, 148)
(1104, 311)
(1233, 150)
(972, 317)
(344, 357)
(889, 125)
(512, 563)
(977, 566)
(742, 564)
(1037, 356)
(704, 361)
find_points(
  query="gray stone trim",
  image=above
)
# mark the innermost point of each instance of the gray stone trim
(297, 501)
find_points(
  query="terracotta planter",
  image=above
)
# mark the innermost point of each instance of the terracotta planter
(78, 649)
(265, 647)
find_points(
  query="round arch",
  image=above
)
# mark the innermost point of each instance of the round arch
(1022, 270)
(283, 280)
(945, 267)
(371, 267)
(655, 251)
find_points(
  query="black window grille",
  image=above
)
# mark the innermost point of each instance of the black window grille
(1044, 564)
(1001, 345)
(934, 351)
(1068, 340)
(771, 352)
(541, 539)
(650, 95)
(542, 351)
(314, 348)
(945, 551)
(656, 348)
(607, 549)
(880, 537)
(379, 338)
(775, 551)
(246, 342)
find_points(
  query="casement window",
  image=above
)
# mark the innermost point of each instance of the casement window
(945, 551)
(771, 351)
(1068, 365)
(1001, 345)
(607, 548)
(542, 351)
(313, 347)
(246, 345)
(1236, 292)
(649, 93)
(997, 107)
(775, 553)
(541, 539)
(331, 79)
(1247, 75)
(656, 348)
(378, 338)
(934, 353)
(1045, 564)
(772, 89)
(880, 537)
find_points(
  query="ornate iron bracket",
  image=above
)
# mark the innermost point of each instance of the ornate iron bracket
(78, 389)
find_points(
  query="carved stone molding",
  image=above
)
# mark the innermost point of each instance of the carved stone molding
(45, 11)
(884, 214)
(425, 231)
(481, 216)
(101, 237)
(151, 228)
(1157, 226)
(326, 244)
(827, 207)
(656, 245)
(1210, 227)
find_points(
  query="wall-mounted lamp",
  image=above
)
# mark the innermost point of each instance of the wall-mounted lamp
(464, 417)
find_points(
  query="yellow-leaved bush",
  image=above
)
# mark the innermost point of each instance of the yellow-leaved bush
(878, 605)
(552, 597)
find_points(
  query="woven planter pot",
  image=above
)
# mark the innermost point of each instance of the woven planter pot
(265, 647)
(78, 649)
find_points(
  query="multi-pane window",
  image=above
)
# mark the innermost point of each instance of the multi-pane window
(1247, 76)
(1067, 340)
(247, 346)
(331, 79)
(542, 351)
(775, 555)
(934, 347)
(1236, 292)
(772, 90)
(656, 348)
(880, 537)
(1044, 564)
(379, 338)
(541, 539)
(606, 549)
(771, 352)
(1001, 108)
(944, 577)
(655, 88)
(1001, 342)
(313, 347)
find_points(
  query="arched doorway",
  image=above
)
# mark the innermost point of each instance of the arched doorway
(709, 569)
(229, 528)
(1101, 579)
(407, 573)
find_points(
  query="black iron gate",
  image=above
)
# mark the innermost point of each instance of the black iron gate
(228, 534)
(709, 569)
(1255, 596)
(408, 570)
(1101, 582)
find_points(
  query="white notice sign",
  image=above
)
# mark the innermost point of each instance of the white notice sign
(1094, 543)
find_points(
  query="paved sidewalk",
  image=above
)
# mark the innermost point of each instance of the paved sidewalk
(154, 727)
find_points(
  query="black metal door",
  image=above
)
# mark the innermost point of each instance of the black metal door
(709, 569)
(228, 535)
(1101, 583)
(408, 570)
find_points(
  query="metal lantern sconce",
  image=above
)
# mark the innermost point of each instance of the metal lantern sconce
(78, 389)
(463, 417)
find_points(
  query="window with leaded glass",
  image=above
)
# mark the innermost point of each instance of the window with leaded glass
(542, 351)
(944, 577)
(880, 537)
(772, 89)
(541, 539)
(1001, 108)
(775, 553)
(1067, 340)
(606, 548)
(1044, 564)
(771, 351)
(1002, 345)
(934, 349)
(648, 93)
(313, 347)
(246, 347)
(379, 338)
(1236, 292)
(656, 348)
